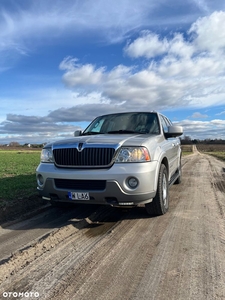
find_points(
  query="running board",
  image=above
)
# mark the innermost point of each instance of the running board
(174, 177)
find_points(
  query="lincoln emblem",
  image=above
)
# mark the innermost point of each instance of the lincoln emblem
(80, 145)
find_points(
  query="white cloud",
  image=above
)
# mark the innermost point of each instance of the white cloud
(170, 83)
(198, 115)
(204, 129)
(208, 33)
(179, 47)
(26, 27)
(38, 22)
(78, 75)
(39, 102)
(221, 113)
(202, 4)
(148, 45)
(179, 70)
(193, 56)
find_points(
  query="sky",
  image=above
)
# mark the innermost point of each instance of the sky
(63, 63)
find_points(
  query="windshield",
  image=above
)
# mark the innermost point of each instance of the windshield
(138, 122)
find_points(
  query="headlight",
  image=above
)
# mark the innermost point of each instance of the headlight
(133, 154)
(47, 155)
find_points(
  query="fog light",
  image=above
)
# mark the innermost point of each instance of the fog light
(40, 179)
(132, 182)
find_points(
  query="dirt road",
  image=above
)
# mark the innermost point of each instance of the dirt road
(105, 253)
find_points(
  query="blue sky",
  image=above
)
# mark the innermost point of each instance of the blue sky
(62, 63)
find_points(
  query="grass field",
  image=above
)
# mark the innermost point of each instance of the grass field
(217, 150)
(17, 174)
(187, 149)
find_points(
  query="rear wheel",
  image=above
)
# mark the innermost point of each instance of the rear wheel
(160, 204)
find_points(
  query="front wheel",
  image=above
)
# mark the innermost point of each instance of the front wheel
(160, 204)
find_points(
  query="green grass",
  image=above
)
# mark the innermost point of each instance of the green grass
(219, 155)
(17, 174)
(187, 149)
(216, 150)
(184, 153)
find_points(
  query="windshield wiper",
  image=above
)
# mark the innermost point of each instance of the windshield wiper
(91, 133)
(112, 132)
(123, 131)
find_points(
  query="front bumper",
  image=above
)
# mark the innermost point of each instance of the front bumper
(116, 191)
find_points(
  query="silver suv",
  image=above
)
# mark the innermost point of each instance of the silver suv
(121, 159)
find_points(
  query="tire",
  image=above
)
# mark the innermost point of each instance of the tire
(179, 179)
(160, 204)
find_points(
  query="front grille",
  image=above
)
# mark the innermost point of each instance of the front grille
(82, 185)
(88, 157)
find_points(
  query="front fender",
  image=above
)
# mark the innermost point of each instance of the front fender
(161, 160)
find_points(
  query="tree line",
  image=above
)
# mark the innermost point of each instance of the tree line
(188, 140)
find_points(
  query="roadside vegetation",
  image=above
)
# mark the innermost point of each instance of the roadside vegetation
(187, 149)
(17, 174)
(216, 150)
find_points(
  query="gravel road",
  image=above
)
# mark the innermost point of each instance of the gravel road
(99, 252)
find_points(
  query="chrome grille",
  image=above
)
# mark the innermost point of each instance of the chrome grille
(88, 157)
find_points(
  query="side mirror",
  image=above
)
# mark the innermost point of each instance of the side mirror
(174, 131)
(77, 133)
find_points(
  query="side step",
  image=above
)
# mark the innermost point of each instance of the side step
(174, 177)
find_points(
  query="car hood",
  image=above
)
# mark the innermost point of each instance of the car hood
(104, 140)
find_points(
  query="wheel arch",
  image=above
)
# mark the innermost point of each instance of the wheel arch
(165, 162)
